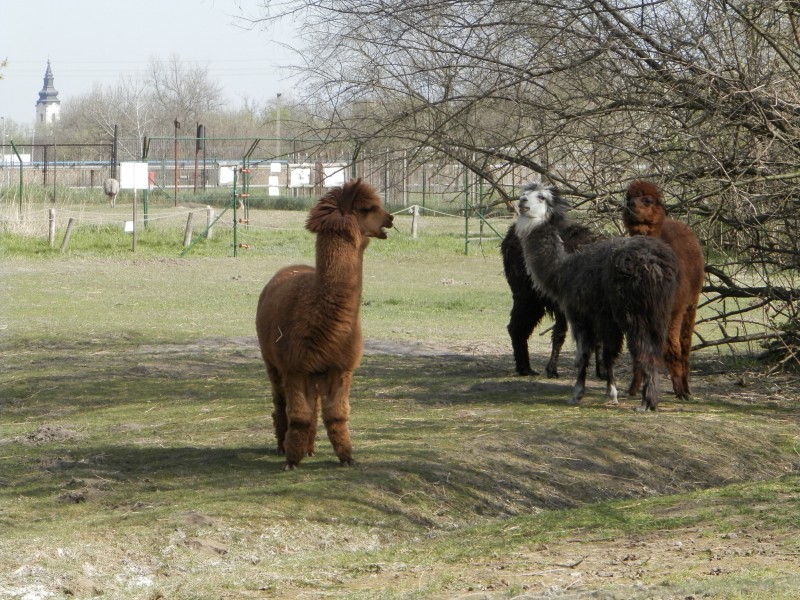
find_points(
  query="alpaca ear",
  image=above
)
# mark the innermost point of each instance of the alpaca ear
(348, 195)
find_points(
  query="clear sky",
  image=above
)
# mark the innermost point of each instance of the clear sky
(94, 41)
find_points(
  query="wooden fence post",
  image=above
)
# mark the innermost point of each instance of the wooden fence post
(209, 222)
(187, 236)
(51, 227)
(414, 220)
(67, 234)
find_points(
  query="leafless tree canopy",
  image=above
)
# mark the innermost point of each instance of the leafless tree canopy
(146, 104)
(699, 95)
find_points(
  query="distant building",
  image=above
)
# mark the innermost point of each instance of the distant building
(48, 106)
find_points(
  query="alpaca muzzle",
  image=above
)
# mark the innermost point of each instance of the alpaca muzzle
(388, 223)
(629, 210)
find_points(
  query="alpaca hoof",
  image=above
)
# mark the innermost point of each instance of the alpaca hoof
(683, 395)
(527, 372)
(611, 396)
(289, 467)
(552, 374)
(311, 453)
(346, 462)
(645, 408)
(574, 401)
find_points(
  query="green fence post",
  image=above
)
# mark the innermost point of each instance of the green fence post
(235, 206)
(146, 192)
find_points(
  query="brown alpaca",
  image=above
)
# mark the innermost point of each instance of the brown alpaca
(645, 214)
(308, 324)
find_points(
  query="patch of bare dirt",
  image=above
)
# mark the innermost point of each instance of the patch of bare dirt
(637, 566)
(78, 491)
(46, 434)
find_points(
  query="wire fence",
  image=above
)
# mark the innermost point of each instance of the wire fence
(230, 173)
(237, 231)
(202, 169)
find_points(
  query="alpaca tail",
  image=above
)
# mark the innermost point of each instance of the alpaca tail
(644, 278)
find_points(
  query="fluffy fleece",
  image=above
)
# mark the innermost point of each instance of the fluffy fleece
(530, 305)
(645, 214)
(610, 290)
(309, 328)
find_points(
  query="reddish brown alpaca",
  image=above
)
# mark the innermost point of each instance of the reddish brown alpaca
(309, 328)
(645, 214)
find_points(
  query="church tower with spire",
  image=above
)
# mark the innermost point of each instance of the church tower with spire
(48, 106)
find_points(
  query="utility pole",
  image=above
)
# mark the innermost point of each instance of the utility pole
(278, 125)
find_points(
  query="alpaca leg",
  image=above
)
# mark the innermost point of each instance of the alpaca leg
(647, 356)
(673, 356)
(611, 346)
(687, 331)
(336, 413)
(525, 315)
(585, 345)
(636, 379)
(279, 419)
(600, 369)
(315, 386)
(300, 411)
(312, 432)
(649, 388)
(557, 341)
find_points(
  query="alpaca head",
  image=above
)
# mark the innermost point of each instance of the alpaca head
(644, 210)
(355, 210)
(539, 204)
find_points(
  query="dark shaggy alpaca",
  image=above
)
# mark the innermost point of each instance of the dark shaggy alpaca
(308, 324)
(609, 290)
(529, 305)
(645, 214)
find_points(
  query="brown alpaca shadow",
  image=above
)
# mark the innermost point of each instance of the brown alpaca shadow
(309, 328)
(645, 215)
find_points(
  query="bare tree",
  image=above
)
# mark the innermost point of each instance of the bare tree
(127, 105)
(700, 95)
(144, 104)
(182, 91)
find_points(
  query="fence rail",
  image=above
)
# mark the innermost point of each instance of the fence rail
(278, 168)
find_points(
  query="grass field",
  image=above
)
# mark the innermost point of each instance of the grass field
(137, 457)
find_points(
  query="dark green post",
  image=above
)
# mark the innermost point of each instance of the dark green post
(235, 205)
(146, 193)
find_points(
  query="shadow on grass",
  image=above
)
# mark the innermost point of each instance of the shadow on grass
(440, 440)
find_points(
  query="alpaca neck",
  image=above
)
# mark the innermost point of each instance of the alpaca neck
(340, 271)
(647, 224)
(646, 229)
(544, 254)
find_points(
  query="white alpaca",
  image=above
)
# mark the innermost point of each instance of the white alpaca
(111, 189)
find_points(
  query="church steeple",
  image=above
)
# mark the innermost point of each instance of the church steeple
(48, 106)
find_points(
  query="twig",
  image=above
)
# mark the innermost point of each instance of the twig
(571, 565)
